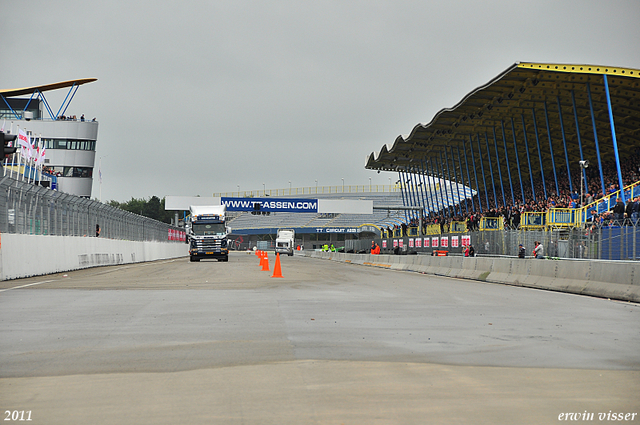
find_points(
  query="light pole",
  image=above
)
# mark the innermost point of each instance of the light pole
(369, 184)
(583, 164)
(343, 185)
(238, 190)
(289, 187)
(100, 176)
(316, 186)
(264, 190)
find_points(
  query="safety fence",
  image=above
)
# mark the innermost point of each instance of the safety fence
(30, 209)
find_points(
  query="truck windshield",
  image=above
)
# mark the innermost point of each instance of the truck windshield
(215, 229)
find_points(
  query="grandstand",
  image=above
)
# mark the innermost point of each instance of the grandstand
(523, 141)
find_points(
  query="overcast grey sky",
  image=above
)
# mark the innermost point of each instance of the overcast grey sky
(196, 97)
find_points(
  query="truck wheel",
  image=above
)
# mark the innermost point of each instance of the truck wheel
(194, 259)
(291, 255)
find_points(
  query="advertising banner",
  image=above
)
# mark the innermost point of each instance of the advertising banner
(455, 241)
(384, 243)
(410, 242)
(395, 243)
(466, 240)
(418, 242)
(434, 241)
(271, 204)
(444, 242)
(427, 242)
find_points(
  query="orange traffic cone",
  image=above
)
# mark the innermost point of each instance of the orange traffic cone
(265, 264)
(276, 269)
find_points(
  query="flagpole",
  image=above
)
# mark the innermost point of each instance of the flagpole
(13, 157)
(42, 153)
(21, 156)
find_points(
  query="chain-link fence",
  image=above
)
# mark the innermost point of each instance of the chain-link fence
(30, 209)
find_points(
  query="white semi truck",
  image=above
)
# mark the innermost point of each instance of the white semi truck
(285, 241)
(207, 232)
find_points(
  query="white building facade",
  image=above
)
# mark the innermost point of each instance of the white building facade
(70, 141)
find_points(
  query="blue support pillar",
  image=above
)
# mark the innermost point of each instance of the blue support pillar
(526, 146)
(515, 150)
(404, 203)
(412, 193)
(595, 137)
(475, 174)
(446, 161)
(493, 180)
(613, 137)
(535, 126)
(506, 156)
(425, 199)
(575, 115)
(564, 143)
(464, 186)
(484, 178)
(446, 192)
(466, 163)
(435, 192)
(455, 177)
(416, 188)
(553, 162)
(432, 187)
(495, 143)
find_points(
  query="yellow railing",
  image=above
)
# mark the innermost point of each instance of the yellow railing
(458, 227)
(433, 229)
(561, 217)
(605, 203)
(491, 223)
(533, 220)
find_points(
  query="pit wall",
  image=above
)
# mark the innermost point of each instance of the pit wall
(618, 280)
(34, 255)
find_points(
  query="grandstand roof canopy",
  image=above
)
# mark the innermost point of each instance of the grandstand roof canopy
(534, 97)
(47, 87)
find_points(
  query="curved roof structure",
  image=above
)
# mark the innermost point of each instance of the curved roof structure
(46, 87)
(556, 113)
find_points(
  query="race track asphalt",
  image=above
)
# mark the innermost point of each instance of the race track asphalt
(329, 343)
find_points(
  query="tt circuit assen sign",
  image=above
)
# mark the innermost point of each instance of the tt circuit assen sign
(271, 204)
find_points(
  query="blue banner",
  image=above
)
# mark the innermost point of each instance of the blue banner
(271, 204)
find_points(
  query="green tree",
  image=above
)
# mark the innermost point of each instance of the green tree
(152, 208)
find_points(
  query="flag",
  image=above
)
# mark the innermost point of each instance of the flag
(25, 143)
(39, 154)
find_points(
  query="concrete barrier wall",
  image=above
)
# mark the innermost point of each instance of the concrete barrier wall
(31, 255)
(608, 279)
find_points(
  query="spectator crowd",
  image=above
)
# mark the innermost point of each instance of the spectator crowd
(471, 213)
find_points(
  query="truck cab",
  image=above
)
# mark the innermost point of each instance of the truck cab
(285, 241)
(208, 233)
